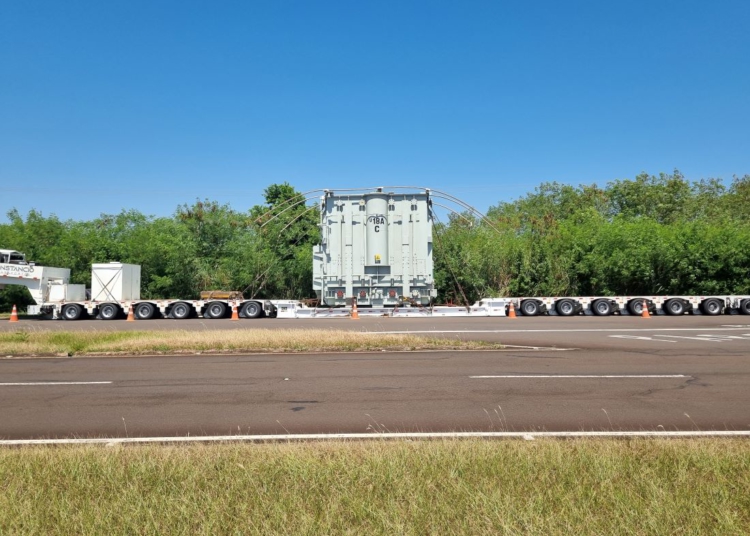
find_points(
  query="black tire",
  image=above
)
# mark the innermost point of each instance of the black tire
(712, 306)
(674, 307)
(181, 310)
(109, 311)
(745, 307)
(529, 307)
(635, 307)
(565, 307)
(144, 311)
(601, 308)
(215, 310)
(71, 311)
(251, 309)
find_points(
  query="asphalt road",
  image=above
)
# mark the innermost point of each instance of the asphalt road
(612, 373)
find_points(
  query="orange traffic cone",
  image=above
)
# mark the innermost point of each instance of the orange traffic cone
(355, 313)
(235, 316)
(131, 317)
(14, 314)
(644, 312)
(511, 310)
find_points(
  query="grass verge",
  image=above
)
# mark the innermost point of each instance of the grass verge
(379, 487)
(81, 343)
(21, 316)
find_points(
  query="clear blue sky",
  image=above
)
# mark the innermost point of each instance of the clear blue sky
(147, 105)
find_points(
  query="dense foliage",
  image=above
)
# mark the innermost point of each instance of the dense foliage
(266, 251)
(651, 235)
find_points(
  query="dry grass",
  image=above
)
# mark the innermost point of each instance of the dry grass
(379, 487)
(80, 343)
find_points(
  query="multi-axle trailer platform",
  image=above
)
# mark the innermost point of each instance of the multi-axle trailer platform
(532, 306)
(116, 292)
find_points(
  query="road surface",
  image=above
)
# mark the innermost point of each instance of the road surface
(666, 373)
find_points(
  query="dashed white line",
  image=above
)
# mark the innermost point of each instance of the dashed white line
(704, 338)
(637, 338)
(15, 384)
(607, 376)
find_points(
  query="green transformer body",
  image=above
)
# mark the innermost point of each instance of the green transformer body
(375, 247)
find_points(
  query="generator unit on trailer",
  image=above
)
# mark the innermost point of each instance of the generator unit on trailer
(375, 247)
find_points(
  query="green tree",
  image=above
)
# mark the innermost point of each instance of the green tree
(286, 229)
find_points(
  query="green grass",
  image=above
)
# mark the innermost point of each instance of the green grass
(21, 316)
(380, 487)
(81, 343)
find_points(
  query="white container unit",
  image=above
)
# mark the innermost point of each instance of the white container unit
(115, 282)
(67, 293)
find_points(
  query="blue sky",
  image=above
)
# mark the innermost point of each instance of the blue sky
(115, 105)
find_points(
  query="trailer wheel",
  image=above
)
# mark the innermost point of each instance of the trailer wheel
(675, 307)
(215, 310)
(72, 311)
(181, 311)
(144, 311)
(251, 309)
(108, 311)
(530, 307)
(712, 307)
(635, 306)
(565, 307)
(745, 307)
(601, 308)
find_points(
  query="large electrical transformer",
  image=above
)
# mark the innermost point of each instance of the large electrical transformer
(375, 247)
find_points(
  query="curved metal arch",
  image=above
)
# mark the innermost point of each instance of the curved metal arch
(432, 192)
(453, 212)
(301, 201)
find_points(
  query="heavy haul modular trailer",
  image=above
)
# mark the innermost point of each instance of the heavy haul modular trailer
(533, 306)
(147, 309)
(346, 269)
(179, 309)
(115, 291)
(675, 305)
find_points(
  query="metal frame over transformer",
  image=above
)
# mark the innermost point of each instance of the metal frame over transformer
(375, 247)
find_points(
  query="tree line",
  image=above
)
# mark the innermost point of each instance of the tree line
(651, 235)
(655, 234)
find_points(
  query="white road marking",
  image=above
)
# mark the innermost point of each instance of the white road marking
(389, 435)
(706, 337)
(51, 383)
(555, 376)
(551, 348)
(593, 330)
(636, 337)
